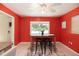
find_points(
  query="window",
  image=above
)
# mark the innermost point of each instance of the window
(75, 25)
(36, 27)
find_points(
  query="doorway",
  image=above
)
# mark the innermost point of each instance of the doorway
(6, 28)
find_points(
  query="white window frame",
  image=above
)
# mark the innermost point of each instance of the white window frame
(39, 22)
(75, 25)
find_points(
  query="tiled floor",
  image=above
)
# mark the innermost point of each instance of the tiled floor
(24, 48)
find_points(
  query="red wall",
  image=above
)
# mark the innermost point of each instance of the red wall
(66, 34)
(25, 27)
(16, 21)
(22, 28)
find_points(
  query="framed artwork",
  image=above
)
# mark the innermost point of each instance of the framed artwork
(63, 24)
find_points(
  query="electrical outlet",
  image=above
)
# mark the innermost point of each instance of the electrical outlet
(70, 42)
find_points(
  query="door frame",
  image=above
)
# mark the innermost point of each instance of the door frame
(13, 19)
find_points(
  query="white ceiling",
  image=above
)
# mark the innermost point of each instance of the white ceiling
(37, 9)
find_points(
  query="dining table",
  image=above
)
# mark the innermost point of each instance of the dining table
(44, 40)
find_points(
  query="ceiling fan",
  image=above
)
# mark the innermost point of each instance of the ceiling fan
(48, 7)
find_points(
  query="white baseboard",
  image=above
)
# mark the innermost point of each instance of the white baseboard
(68, 48)
(9, 51)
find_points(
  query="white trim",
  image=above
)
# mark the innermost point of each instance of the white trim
(31, 22)
(68, 48)
(23, 43)
(12, 22)
(75, 24)
(9, 51)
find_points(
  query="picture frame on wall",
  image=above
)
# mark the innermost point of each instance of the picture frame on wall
(64, 25)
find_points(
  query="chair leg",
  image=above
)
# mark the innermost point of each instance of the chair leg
(41, 43)
(55, 48)
(50, 46)
(45, 44)
(36, 47)
(32, 47)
